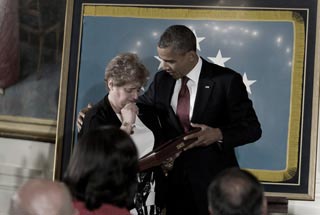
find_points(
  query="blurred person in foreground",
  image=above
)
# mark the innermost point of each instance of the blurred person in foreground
(236, 192)
(101, 174)
(124, 77)
(41, 196)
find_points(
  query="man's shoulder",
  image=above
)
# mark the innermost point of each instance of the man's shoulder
(214, 70)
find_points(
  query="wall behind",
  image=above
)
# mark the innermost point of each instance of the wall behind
(21, 160)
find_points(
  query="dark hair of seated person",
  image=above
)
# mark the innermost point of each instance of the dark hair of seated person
(235, 191)
(103, 169)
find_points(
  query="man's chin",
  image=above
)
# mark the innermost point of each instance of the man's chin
(175, 76)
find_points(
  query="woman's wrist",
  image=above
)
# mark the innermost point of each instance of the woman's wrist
(127, 127)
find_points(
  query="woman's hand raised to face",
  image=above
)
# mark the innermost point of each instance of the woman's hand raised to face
(128, 115)
(129, 112)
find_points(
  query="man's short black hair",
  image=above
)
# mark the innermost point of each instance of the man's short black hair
(178, 37)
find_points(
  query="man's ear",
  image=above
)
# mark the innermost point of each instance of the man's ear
(192, 55)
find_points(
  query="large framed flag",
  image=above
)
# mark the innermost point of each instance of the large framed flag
(272, 44)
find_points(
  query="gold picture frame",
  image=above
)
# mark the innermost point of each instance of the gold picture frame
(29, 100)
(302, 122)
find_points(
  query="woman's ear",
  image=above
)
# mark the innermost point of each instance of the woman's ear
(110, 84)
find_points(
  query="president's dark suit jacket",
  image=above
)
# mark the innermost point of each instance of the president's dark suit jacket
(221, 102)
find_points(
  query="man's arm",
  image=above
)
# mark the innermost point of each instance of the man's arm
(147, 98)
(242, 125)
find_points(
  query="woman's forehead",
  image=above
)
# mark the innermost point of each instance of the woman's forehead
(132, 85)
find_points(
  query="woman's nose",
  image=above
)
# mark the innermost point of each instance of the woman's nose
(135, 95)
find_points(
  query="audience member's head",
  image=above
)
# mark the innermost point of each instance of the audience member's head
(40, 196)
(236, 192)
(103, 169)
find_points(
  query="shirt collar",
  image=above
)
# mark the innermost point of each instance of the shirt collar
(195, 72)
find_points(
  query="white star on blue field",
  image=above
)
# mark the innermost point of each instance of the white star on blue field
(219, 60)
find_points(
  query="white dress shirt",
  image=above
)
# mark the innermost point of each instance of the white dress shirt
(142, 137)
(192, 84)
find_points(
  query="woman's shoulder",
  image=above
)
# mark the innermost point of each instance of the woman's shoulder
(99, 115)
(103, 103)
(101, 108)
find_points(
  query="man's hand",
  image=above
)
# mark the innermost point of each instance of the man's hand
(205, 137)
(81, 116)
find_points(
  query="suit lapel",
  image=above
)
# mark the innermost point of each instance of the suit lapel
(205, 89)
(170, 83)
(168, 90)
(112, 116)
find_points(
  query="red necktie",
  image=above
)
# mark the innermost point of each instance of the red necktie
(183, 106)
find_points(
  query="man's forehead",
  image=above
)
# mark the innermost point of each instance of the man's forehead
(167, 55)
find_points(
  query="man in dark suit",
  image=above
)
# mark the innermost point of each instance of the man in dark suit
(217, 103)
